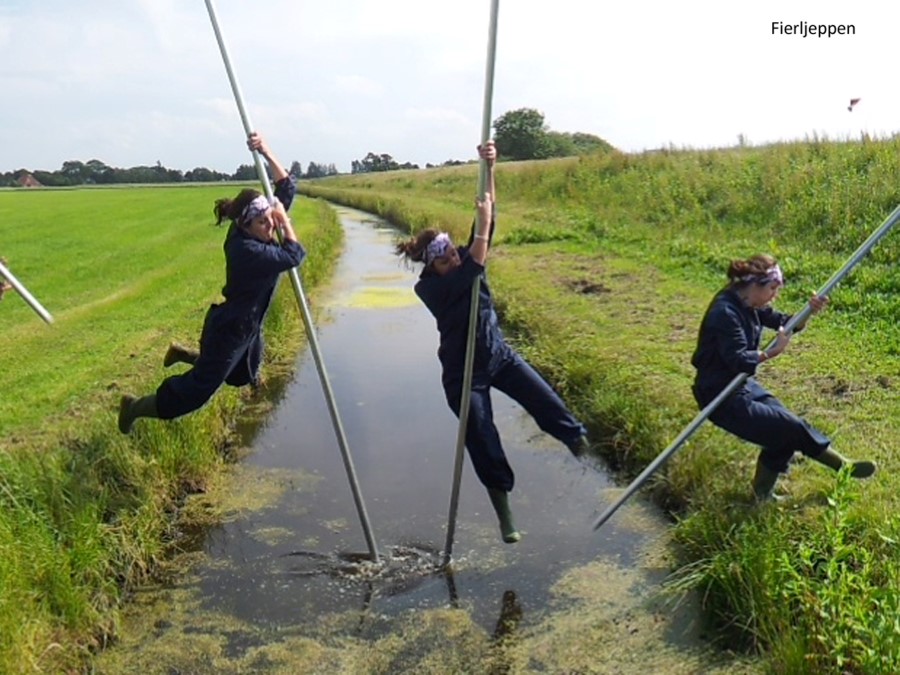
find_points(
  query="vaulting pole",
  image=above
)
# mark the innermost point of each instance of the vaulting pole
(798, 318)
(476, 287)
(21, 290)
(301, 302)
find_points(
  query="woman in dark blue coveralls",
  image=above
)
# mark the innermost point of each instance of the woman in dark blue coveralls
(445, 286)
(231, 343)
(728, 345)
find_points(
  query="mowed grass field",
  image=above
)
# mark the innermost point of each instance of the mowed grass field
(603, 267)
(84, 511)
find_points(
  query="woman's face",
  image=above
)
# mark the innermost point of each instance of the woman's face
(262, 227)
(760, 295)
(447, 262)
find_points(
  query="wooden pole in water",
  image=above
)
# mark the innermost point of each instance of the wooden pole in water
(301, 302)
(476, 287)
(797, 319)
(26, 296)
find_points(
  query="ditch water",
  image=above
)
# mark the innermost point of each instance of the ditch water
(285, 585)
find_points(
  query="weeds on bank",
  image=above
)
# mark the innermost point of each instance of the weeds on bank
(86, 513)
(603, 268)
(816, 587)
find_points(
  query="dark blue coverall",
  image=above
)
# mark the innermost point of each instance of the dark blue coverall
(231, 343)
(728, 345)
(496, 364)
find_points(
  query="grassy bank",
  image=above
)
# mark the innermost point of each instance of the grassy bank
(86, 513)
(603, 268)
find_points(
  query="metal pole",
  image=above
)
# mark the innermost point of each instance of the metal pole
(798, 318)
(301, 302)
(28, 297)
(476, 287)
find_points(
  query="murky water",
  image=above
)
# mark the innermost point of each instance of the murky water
(287, 586)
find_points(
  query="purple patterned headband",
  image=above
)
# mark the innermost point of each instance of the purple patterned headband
(436, 248)
(770, 275)
(257, 207)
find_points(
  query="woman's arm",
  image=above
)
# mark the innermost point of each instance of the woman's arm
(283, 222)
(484, 223)
(256, 142)
(479, 248)
(488, 153)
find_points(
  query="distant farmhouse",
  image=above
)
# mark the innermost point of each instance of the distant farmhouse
(28, 181)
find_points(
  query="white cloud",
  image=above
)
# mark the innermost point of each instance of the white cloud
(332, 81)
(358, 85)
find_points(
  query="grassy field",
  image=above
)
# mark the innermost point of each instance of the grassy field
(85, 513)
(603, 268)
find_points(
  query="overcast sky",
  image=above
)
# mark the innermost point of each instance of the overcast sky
(133, 82)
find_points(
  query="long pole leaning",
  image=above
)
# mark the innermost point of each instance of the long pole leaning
(301, 302)
(28, 297)
(468, 365)
(795, 320)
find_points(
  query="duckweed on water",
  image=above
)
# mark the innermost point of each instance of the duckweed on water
(380, 297)
(600, 614)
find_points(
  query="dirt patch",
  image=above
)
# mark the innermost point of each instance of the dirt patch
(587, 287)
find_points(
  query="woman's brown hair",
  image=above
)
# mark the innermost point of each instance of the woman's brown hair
(413, 249)
(231, 209)
(756, 266)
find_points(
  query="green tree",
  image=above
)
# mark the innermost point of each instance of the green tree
(557, 144)
(587, 143)
(245, 172)
(374, 162)
(521, 134)
(316, 170)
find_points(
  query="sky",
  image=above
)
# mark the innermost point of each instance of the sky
(136, 82)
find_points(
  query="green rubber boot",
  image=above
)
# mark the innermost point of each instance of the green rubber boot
(500, 501)
(581, 447)
(179, 354)
(130, 408)
(764, 483)
(834, 460)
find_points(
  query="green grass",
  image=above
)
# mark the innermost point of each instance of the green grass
(602, 270)
(86, 513)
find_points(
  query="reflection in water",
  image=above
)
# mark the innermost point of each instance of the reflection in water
(290, 577)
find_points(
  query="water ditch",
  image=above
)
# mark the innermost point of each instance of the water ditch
(284, 585)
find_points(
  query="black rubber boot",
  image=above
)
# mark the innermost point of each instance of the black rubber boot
(834, 460)
(130, 408)
(500, 502)
(179, 354)
(764, 483)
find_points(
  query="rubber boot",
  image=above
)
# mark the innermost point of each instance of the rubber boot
(130, 408)
(581, 446)
(764, 483)
(500, 501)
(834, 460)
(179, 354)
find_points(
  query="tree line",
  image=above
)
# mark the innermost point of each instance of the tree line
(519, 134)
(95, 172)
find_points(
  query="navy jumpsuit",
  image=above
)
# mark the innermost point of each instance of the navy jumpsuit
(496, 364)
(727, 346)
(231, 343)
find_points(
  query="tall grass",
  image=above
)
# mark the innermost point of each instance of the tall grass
(603, 268)
(86, 513)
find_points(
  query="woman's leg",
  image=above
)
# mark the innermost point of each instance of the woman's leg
(221, 349)
(518, 380)
(765, 422)
(486, 451)
(482, 438)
